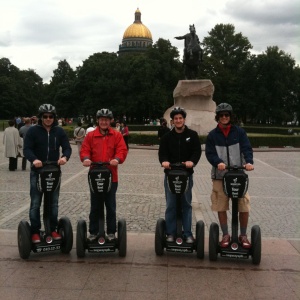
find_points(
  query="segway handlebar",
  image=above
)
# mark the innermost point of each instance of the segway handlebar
(100, 163)
(50, 162)
(235, 168)
(178, 165)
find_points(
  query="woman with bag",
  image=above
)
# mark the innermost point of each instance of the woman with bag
(79, 134)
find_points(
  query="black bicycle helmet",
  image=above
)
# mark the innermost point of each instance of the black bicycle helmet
(104, 112)
(47, 108)
(222, 107)
(177, 110)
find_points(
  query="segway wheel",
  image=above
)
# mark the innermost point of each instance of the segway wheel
(213, 241)
(200, 239)
(66, 231)
(122, 238)
(160, 236)
(24, 239)
(256, 244)
(81, 236)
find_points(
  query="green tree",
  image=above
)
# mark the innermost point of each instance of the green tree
(60, 91)
(20, 90)
(277, 96)
(225, 53)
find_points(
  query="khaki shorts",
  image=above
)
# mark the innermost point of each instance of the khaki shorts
(220, 202)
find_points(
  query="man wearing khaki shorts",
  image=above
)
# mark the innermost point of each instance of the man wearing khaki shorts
(228, 144)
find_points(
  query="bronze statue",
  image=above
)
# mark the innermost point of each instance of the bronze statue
(192, 55)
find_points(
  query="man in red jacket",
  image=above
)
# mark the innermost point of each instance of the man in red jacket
(106, 145)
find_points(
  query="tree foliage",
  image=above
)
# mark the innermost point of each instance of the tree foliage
(262, 88)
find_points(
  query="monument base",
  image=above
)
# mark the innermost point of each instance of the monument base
(195, 96)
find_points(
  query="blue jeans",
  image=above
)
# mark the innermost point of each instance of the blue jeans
(35, 205)
(110, 204)
(186, 203)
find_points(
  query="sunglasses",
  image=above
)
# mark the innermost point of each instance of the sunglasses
(224, 115)
(48, 116)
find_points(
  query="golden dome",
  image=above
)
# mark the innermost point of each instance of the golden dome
(137, 30)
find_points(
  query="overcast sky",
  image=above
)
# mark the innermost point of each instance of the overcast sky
(37, 34)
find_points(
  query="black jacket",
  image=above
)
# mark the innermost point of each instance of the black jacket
(40, 145)
(180, 147)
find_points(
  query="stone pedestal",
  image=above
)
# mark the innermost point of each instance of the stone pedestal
(195, 96)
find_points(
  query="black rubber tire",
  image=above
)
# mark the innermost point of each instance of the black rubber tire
(160, 236)
(213, 241)
(200, 239)
(256, 244)
(66, 231)
(122, 237)
(81, 235)
(24, 239)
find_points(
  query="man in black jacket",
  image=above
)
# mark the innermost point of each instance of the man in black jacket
(43, 143)
(180, 145)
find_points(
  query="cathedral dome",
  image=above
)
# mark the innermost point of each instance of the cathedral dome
(137, 37)
(137, 30)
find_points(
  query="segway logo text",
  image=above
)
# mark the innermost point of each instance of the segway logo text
(177, 185)
(100, 183)
(49, 182)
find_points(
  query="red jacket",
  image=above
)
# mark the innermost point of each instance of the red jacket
(98, 147)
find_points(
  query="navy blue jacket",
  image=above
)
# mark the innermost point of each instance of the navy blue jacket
(235, 149)
(180, 147)
(44, 146)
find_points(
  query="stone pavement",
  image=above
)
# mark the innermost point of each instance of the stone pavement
(275, 198)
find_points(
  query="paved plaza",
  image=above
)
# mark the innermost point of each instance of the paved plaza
(275, 207)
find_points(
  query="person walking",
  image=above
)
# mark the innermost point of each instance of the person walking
(12, 145)
(90, 128)
(125, 133)
(180, 145)
(104, 144)
(228, 144)
(22, 131)
(79, 134)
(163, 129)
(43, 143)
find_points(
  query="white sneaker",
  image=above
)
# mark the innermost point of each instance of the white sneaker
(92, 237)
(170, 238)
(189, 240)
(111, 237)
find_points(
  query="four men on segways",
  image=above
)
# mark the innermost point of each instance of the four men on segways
(104, 148)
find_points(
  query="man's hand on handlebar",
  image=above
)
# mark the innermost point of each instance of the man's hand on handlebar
(166, 165)
(86, 162)
(188, 164)
(114, 162)
(249, 167)
(37, 163)
(62, 161)
(221, 166)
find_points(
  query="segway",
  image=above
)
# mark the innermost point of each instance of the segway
(178, 182)
(49, 177)
(235, 185)
(100, 179)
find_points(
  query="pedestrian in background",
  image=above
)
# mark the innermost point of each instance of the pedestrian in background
(125, 133)
(79, 134)
(163, 129)
(22, 131)
(90, 128)
(12, 145)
